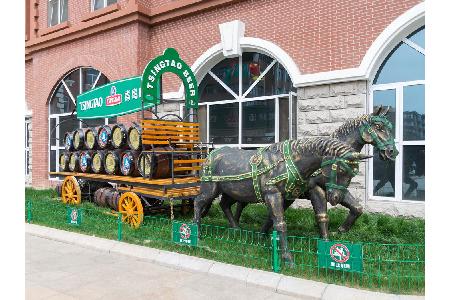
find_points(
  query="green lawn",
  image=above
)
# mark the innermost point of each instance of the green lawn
(393, 247)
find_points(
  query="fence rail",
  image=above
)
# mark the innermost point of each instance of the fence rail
(397, 268)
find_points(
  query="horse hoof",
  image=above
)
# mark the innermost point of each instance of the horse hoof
(342, 229)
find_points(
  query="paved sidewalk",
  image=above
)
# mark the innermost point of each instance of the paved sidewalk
(68, 265)
(57, 270)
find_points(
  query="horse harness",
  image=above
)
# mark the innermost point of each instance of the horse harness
(295, 184)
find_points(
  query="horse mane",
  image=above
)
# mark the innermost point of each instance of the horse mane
(348, 126)
(322, 146)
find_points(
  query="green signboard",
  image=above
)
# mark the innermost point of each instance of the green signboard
(340, 256)
(185, 233)
(113, 99)
(74, 216)
(170, 61)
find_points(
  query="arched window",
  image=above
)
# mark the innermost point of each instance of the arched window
(247, 101)
(63, 103)
(400, 83)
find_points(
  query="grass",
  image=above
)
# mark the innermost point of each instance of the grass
(393, 247)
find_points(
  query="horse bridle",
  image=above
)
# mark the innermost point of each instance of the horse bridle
(382, 146)
(339, 162)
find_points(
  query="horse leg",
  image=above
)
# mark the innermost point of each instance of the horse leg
(208, 192)
(319, 204)
(269, 222)
(355, 210)
(239, 208)
(225, 203)
(274, 201)
(206, 209)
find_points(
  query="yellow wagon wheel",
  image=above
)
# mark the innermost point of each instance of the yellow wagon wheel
(70, 191)
(130, 207)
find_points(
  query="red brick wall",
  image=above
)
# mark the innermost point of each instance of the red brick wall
(112, 52)
(319, 35)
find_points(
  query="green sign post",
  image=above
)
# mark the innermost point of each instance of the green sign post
(113, 99)
(185, 233)
(170, 61)
(74, 215)
(340, 256)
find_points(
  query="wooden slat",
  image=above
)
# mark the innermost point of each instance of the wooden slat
(169, 193)
(170, 122)
(187, 161)
(172, 138)
(171, 128)
(168, 132)
(146, 142)
(195, 168)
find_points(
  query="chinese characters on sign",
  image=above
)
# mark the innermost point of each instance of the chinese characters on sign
(340, 256)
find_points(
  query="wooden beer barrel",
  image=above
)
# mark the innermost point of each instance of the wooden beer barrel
(119, 136)
(112, 162)
(128, 163)
(107, 197)
(78, 139)
(90, 138)
(68, 141)
(104, 137)
(98, 162)
(134, 137)
(154, 165)
(64, 159)
(86, 161)
(74, 162)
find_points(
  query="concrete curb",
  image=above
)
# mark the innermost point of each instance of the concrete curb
(305, 289)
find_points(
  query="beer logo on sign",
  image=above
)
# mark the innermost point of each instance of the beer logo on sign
(68, 141)
(339, 253)
(115, 98)
(126, 163)
(103, 137)
(113, 90)
(185, 231)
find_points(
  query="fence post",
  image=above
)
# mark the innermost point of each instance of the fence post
(275, 260)
(119, 226)
(29, 215)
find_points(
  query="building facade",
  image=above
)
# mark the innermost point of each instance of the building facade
(267, 71)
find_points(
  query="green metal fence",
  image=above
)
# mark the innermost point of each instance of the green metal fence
(397, 268)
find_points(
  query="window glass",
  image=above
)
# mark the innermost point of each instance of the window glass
(67, 123)
(53, 132)
(98, 4)
(210, 90)
(224, 123)
(418, 37)
(63, 10)
(52, 12)
(52, 160)
(61, 101)
(73, 82)
(258, 122)
(92, 122)
(284, 119)
(414, 173)
(112, 120)
(414, 113)
(89, 76)
(228, 72)
(383, 176)
(108, 2)
(386, 98)
(202, 119)
(403, 64)
(253, 65)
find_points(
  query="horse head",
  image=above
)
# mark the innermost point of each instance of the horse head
(378, 132)
(339, 171)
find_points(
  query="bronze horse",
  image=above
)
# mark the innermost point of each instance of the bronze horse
(374, 129)
(274, 173)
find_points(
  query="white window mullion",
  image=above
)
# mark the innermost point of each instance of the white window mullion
(240, 124)
(69, 92)
(223, 84)
(277, 120)
(240, 76)
(414, 46)
(399, 135)
(207, 123)
(96, 80)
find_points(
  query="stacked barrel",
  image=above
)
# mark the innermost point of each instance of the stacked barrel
(110, 149)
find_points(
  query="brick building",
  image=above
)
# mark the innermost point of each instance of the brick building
(268, 70)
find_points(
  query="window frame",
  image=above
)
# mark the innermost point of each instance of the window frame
(60, 10)
(105, 4)
(242, 98)
(57, 116)
(398, 87)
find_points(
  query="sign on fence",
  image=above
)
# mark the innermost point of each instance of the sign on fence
(74, 216)
(340, 256)
(185, 233)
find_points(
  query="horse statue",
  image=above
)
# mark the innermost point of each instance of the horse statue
(274, 173)
(374, 129)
